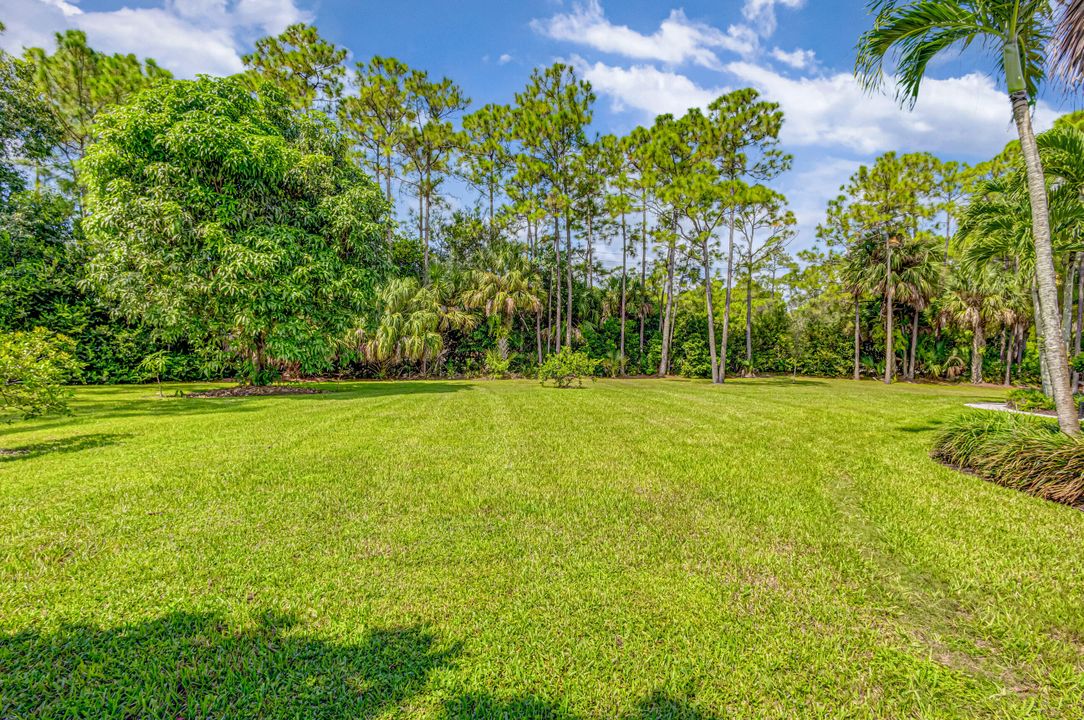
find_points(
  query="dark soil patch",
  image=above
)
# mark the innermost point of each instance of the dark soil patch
(250, 390)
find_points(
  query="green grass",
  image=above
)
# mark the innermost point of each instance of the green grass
(639, 549)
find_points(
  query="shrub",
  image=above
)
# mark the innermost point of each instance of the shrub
(1029, 400)
(1021, 452)
(496, 366)
(33, 369)
(1078, 363)
(565, 367)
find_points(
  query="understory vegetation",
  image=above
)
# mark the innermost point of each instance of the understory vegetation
(330, 559)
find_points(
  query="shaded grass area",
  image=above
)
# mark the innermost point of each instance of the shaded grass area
(640, 549)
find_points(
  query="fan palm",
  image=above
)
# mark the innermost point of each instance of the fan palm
(860, 272)
(913, 32)
(918, 280)
(502, 291)
(973, 302)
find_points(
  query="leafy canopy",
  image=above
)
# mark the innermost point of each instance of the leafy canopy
(222, 217)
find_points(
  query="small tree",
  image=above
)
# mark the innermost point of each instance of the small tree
(34, 366)
(565, 367)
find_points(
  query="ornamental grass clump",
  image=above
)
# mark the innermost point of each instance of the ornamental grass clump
(1020, 452)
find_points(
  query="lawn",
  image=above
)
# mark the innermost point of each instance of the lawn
(635, 549)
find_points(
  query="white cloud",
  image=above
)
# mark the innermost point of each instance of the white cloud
(678, 40)
(797, 58)
(185, 36)
(761, 13)
(966, 115)
(645, 88)
(504, 59)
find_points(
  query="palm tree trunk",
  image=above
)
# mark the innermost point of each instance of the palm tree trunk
(706, 260)
(1045, 276)
(1067, 300)
(729, 297)
(857, 338)
(1044, 371)
(1008, 357)
(1079, 317)
(914, 345)
(978, 343)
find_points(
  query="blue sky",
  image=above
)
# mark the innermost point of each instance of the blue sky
(643, 57)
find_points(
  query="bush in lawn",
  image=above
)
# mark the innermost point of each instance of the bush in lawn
(1021, 452)
(34, 366)
(566, 367)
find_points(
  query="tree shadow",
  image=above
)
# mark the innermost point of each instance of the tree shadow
(928, 426)
(657, 706)
(778, 380)
(75, 443)
(195, 665)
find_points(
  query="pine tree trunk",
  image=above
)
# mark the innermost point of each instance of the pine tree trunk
(749, 316)
(557, 253)
(568, 263)
(706, 261)
(624, 273)
(1045, 275)
(890, 353)
(664, 361)
(729, 298)
(643, 270)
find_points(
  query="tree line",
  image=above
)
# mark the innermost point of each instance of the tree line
(306, 217)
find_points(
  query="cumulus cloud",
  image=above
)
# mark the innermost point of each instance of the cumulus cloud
(797, 58)
(645, 88)
(965, 115)
(677, 40)
(761, 13)
(504, 59)
(185, 36)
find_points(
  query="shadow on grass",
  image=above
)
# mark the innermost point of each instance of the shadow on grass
(928, 426)
(779, 380)
(194, 665)
(71, 444)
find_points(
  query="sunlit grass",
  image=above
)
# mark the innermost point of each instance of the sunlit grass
(634, 549)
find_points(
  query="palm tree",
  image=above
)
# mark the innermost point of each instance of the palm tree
(1069, 50)
(502, 291)
(917, 282)
(996, 228)
(860, 272)
(913, 32)
(973, 302)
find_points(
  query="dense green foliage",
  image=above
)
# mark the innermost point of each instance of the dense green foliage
(220, 218)
(1018, 451)
(443, 550)
(35, 368)
(566, 367)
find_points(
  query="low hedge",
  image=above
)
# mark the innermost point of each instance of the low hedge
(1018, 451)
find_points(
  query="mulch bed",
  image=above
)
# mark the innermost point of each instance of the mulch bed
(251, 390)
